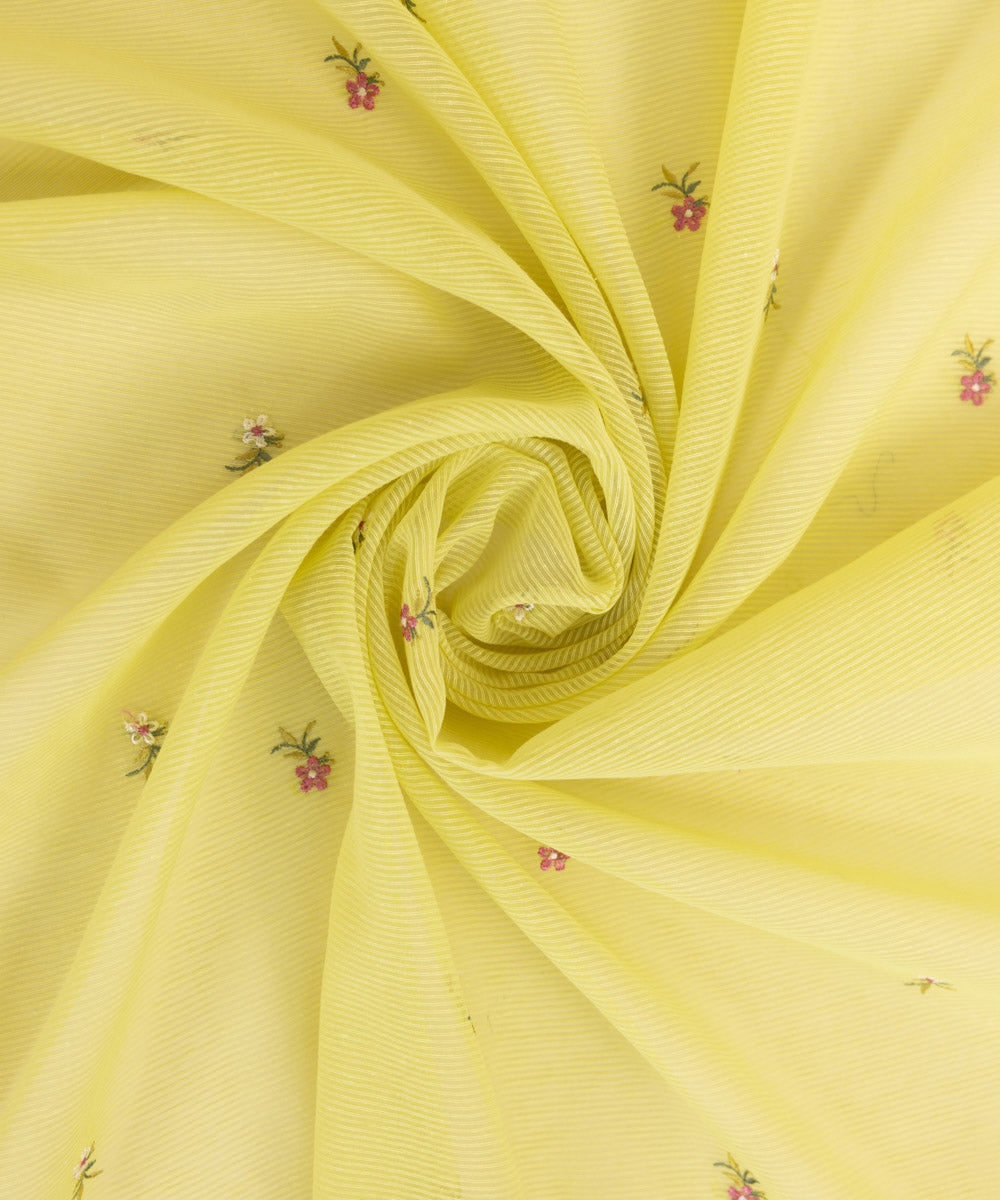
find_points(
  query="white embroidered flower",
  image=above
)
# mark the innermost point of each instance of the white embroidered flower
(141, 728)
(520, 610)
(257, 432)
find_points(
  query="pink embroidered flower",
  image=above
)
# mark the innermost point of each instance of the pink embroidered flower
(974, 387)
(979, 381)
(313, 774)
(744, 1187)
(521, 609)
(689, 213)
(84, 1159)
(362, 91)
(365, 85)
(409, 622)
(141, 728)
(690, 210)
(257, 432)
(552, 858)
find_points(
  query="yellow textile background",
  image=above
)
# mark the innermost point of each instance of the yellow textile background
(756, 699)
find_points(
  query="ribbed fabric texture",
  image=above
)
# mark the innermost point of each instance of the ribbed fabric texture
(669, 550)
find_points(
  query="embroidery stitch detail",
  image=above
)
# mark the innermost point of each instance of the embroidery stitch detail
(84, 1171)
(411, 7)
(691, 210)
(642, 401)
(771, 302)
(521, 609)
(926, 983)
(409, 620)
(358, 536)
(552, 858)
(976, 385)
(746, 1186)
(313, 773)
(257, 435)
(145, 734)
(363, 88)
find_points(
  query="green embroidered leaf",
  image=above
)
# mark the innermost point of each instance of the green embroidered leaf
(968, 344)
(364, 63)
(669, 176)
(295, 754)
(311, 746)
(692, 168)
(342, 50)
(692, 186)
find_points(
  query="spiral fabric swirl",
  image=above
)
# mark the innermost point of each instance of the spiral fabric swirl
(501, 510)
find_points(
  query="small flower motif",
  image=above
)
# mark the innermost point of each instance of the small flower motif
(689, 214)
(521, 609)
(409, 620)
(926, 983)
(358, 536)
(552, 858)
(361, 91)
(691, 210)
(364, 86)
(145, 733)
(771, 302)
(975, 387)
(257, 434)
(978, 383)
(84, 1170)
(141, 728)
(313, 772)
(745, 1186)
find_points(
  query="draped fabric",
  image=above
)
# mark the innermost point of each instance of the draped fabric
(500, 527)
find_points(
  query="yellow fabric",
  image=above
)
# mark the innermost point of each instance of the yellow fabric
(754, 698)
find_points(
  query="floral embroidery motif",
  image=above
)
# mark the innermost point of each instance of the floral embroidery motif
(979, 382)
(363, 88)
(926, 983)
(257, 435)
(84, 1171)
(358, 536)
(552, 858)
(409, 620)
(411, 7)
(521, 609)
(642, 400)
(313, 772)
(771, 302)
(691, 210)
(145, 734)
(745, 1187)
